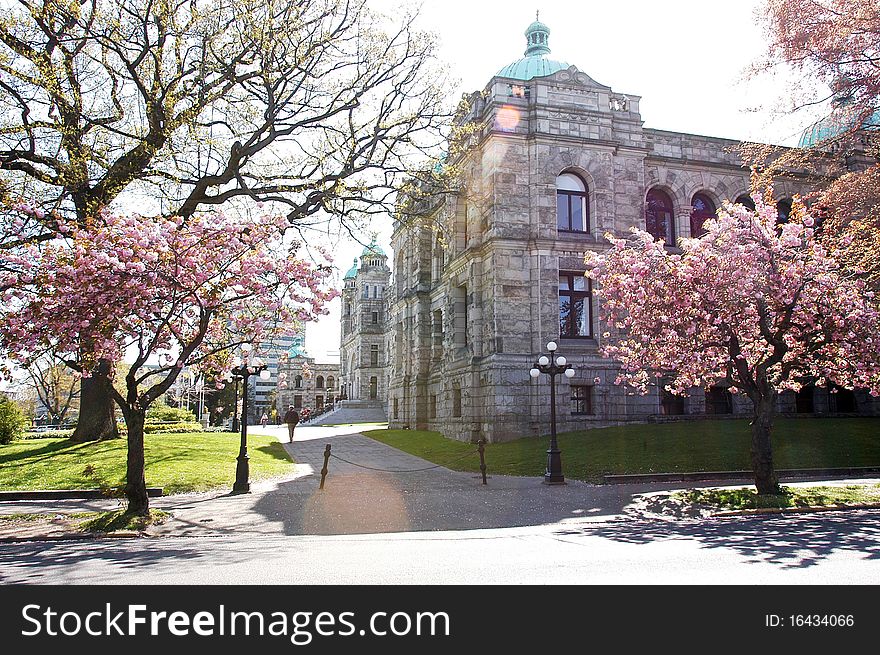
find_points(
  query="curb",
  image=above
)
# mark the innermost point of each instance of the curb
(75, 536)
(67, 494)
(794, 510)
(736, 475)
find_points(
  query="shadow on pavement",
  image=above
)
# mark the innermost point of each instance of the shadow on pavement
(793, 541)
(24, 559)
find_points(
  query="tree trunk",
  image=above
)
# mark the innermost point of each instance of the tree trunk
(96, 421)
(135, 482)
(766, 481)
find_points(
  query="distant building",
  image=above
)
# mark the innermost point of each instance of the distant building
(308, 385)
(263, 391)
(363, 353)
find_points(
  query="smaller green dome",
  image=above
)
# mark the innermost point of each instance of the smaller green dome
(835, 124)
(297, 348)
(352, 272)
(373, 249)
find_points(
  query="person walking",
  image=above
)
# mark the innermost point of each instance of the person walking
(291, 417)
(264, 420)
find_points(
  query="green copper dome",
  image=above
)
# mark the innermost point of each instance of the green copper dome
(840, 120)
(534, 64)
(373, 249)
(352, 272)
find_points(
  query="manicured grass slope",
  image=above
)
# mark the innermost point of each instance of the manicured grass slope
(176, 462)
(659, 448)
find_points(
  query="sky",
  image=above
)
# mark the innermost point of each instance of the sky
(685, 58)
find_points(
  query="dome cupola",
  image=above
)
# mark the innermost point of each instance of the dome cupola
(534, 63)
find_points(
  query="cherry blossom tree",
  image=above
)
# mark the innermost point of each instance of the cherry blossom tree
(833, 47)
(751, 305)
(167, 290)
(836, 42)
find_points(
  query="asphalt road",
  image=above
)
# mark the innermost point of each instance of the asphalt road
(824, 548)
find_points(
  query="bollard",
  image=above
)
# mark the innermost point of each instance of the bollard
(324, 470)
(481, 447)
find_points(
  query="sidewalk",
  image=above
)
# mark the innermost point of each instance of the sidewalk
(418, 496)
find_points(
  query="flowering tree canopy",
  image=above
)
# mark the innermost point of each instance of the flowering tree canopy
(168, 291)
(758, 307)
(836, 41)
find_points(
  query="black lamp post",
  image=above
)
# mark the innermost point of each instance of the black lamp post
(243, 372)
(235, 425)
(552, 366)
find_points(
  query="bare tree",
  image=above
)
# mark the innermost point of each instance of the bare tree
(178, 106)
(56, 388)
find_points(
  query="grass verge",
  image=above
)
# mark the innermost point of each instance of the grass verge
(120, 520)
(687, 446)
(178, 463)
(748, 498)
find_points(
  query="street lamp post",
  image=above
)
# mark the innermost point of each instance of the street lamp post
(248, 366)
(235, 425)
(553, 366)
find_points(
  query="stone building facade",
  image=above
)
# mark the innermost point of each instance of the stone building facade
(363, 354)
(306, 384)
(485, 278)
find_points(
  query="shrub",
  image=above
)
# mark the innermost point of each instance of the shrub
(12, 420)
(47, 434)
(159, 412)
(171, 428)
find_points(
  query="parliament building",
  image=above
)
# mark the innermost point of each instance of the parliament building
(479, 284)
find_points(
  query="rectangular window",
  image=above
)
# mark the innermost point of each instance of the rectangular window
(375, 290)
(581, 399)
(670, 404)
(433, 403)
(718, 401)
(456, 402)
(396, 408)
(570, 211)
(374, 355)
(460, 316)
(375, 318)
(575, 305)
(366, 291)
(298, 402)
(319, 402)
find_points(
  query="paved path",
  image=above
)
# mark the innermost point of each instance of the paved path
(418, 496)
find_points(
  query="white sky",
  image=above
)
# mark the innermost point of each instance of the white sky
(685, 58)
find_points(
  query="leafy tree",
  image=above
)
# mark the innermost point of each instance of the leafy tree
(770, 309)
(317, 107)
(12, 420)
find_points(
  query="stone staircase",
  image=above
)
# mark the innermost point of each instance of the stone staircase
(353, 411)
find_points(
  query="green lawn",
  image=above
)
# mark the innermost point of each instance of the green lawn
(176, 462)
(658, 448)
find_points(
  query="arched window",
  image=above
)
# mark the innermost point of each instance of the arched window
(659, 219)
(746, 201)
(783, 211)
(319, 382)
(330, 382)
(572, 208)
(702, 209)
(298, 382)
